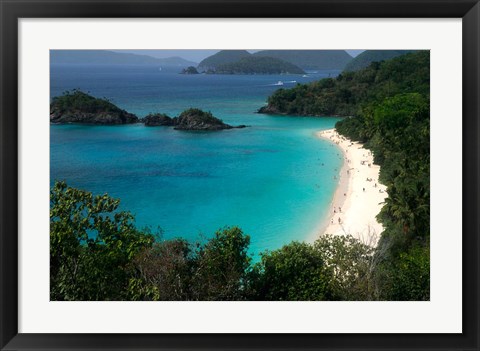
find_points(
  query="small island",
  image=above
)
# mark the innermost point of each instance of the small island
(196, 119)
(191, 119)
(78, 107)
(157, 119)
(189, 70)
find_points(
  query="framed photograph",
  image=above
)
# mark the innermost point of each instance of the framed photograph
(246, 175)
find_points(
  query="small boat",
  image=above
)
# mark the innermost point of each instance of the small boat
(278, 83)
(304, 76)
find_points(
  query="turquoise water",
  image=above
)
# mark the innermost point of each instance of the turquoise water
(267, 178)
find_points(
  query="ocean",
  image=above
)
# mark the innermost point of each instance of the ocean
(274, 179)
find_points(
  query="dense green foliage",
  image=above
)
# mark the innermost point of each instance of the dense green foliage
(91, 246)
(96, 253)
(177, 270)
(405, 276)
(221, 58)
(258, 65)
(397, 131)
(311, 59)
(200, 115)
(77, 100)
(295, 272)
(367, 57)
(333, 268)
(348, 93)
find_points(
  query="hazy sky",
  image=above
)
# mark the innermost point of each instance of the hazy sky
(194, 55)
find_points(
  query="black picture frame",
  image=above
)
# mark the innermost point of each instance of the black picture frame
(11, 11)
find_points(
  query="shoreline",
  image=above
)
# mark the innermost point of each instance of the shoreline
(358, 197)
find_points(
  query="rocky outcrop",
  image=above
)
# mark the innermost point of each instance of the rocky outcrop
(268, 109)
(158, 119)
(196, 119)
(79, 107)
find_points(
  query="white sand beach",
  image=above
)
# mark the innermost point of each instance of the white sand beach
(359, 196)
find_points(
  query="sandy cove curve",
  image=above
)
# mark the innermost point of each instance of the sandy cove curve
(359, 196)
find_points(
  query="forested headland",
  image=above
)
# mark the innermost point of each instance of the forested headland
(349, 92)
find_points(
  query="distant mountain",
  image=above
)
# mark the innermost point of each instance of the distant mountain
(221, 58)
(105, 57)
(258, 65)
(311, 59)
(176, 61)
(367, 57)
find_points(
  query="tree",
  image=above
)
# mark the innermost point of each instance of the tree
(163, 272)
(405, 277)
(221, 267)
(295, 272)
(92, 246)
(352, 264)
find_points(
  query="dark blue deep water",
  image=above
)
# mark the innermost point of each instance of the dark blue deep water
(267, 178)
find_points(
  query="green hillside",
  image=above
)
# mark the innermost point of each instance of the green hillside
(348, 93)
(221, 58)
(311, 59)
(369, 56)
(258, 65)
